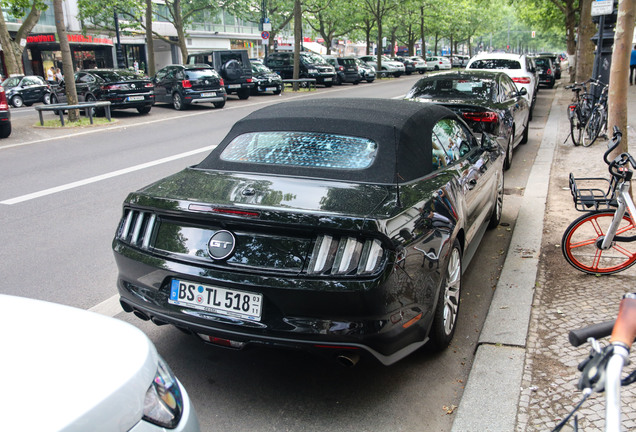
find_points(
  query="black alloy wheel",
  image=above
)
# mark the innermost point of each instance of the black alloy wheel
(177, 101)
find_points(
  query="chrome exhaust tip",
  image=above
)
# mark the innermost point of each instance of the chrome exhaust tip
(348, 359)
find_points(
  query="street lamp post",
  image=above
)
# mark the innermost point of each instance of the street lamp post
(121, 61)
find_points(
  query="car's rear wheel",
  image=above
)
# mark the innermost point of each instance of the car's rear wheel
(277, 92)
(370, 80)
(243, 93)
(5, 130)
(97, 112)
(524, 138)
(46, 99)
(218, 104)
(17, 101)
(509, 150)
(144, 110)
(497, 211)
(177, 102)
(447, 310)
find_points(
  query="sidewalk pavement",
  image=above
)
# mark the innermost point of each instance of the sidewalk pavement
(525, 373)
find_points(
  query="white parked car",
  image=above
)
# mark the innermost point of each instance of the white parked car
(420, 64)
(516, 66)
(438, 63)
(389, 67)
(67, 369)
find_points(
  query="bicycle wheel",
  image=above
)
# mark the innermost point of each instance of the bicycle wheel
(581, 240)
(592, 128)
(575, 128)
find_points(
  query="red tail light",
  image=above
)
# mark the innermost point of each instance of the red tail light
(341, 68)
(4, 105)
(111, 87)
(221, 82)
(149, 85)
(486, 116)
(549, 71)
(522, 80)
(186, 84)
(248, 80)
(572, 107)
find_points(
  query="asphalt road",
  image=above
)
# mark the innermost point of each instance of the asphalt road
(60, 202)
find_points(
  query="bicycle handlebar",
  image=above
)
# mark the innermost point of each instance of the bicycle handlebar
(625, 328)
(597, 331)
(616, 140)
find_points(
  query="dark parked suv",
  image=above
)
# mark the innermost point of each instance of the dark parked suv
(346, 70)
(234, 67)
(311, 66)
(183, 85)
(547, 71)
(123, 88)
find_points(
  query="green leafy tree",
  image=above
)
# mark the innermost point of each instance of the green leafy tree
(29, 12)
(379, 10)
(180, 13)
(339, 19)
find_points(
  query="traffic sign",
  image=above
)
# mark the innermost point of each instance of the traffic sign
(265, 35)
(602, 7)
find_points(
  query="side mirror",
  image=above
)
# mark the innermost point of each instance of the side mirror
(523, 91)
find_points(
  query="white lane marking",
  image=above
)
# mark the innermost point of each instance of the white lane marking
(109, 307)
(101, 177)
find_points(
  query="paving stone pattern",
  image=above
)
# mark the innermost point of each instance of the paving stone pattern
(566, 299)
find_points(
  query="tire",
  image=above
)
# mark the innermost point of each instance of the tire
(17, 101)
(580, 240)
(97, 112)
(218, 104)
(397, 74)
(575, 129)
(277, 92)
(5, 130)
(46, 99)
(231, 70)
(509, 151)
(531, 111)
(370, 80)
(328, 84)
(524, 137)
(436, 68)
(144, 110)
(243, 93)
(177, 102)
(421, 72)
(495, 217)
(592, 128)
(447, 309)
(337, 80)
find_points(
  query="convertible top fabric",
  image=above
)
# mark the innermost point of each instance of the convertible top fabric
(402, 130)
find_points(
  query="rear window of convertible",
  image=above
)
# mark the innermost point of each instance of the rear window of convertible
(303, 149)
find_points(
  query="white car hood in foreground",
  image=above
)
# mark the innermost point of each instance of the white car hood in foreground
(66, 369)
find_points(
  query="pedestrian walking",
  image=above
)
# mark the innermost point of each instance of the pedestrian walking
(632, 66)
(50, 74)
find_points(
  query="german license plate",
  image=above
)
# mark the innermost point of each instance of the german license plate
(135, 98)
(234, 86)
(212, 94)
(216, 300)
(327, 79)
(271, 88)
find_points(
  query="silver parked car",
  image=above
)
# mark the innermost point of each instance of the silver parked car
(67, 369)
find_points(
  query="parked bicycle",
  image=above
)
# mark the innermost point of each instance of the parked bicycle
(603, 241)
(581, 108)
(602, 370)
(597, 121)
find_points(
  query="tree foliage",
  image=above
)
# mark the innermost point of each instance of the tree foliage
(29, 12)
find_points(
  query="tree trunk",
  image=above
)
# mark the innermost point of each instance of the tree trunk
(570, 24)
(422, 36)
(619, 72)
(13, 50)
(380, 48)
(585, 47)
(67, 61)
(149, 40)
(298, 23)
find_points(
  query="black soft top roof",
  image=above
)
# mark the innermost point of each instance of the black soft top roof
(402, 130)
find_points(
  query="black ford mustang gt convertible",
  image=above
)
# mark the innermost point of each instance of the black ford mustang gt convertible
(337, 225)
